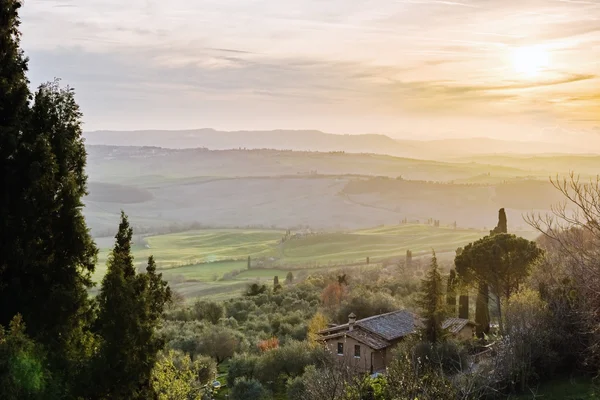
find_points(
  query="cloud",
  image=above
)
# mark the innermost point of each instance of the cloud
(268, 61)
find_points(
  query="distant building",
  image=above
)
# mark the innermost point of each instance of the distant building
(368, 344)
(461, 329)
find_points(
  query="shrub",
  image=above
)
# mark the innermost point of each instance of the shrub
(248, 389)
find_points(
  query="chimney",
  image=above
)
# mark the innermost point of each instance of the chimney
(351, 321)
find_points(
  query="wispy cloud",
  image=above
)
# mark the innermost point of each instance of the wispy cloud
(384, 61)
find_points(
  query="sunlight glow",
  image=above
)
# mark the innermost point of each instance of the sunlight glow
(530, 60)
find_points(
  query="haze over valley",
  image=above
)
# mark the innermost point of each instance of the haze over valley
(308, 200)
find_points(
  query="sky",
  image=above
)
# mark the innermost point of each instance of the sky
(514, 69)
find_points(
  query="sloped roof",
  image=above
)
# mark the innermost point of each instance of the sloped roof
(362, 336)
(455, 325)
(368, 338)
(390, 326)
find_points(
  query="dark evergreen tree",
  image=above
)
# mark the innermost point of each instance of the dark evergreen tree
(46, 253)
(249, 263)
(502, 226)
(130, 308)
(463, 306)
(289, 279)
(408, 258)
(23, 375)
(451, 292)
(431, 303)
(276, 284)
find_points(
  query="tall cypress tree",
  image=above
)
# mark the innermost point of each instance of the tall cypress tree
(451, 292)
(130, 307)
(14, 114)
(463, 306)
(431, 302)
(502, 226)
(46, 252)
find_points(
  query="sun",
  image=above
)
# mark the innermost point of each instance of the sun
(530, 60)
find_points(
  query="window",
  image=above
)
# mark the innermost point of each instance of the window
(340, 349)
(357, 351)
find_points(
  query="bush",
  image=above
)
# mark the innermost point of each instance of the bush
(248, 389)
(296, 389)
(242, 366)
(449, 356)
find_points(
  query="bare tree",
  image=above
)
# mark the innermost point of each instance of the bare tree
(571, 236)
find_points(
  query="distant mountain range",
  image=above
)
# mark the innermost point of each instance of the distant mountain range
(312, 140)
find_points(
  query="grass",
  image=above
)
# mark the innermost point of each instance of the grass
(195, 262)
(375, 243)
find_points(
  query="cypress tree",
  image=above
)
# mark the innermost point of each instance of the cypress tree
(46, 253)
(130, 307)
(451, 292)
(431, 302)
(482, 312)
(502, 226)
(289, 279)
(463, 306)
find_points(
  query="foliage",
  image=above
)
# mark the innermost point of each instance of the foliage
(432, 304)
(572, 237)
(176, 377)
(208, 310)
(326, 382)
(22, 366)
(525, 350)
(219, 342)
(451, 292)
(502, 226)
(332, 295)
(45, 248)
(276, 365)
(499, 263)
(248, 389)
(255, 289)
(447, 356)
(408, 379)
(268, 344)
(317, 323)
(130, 309)
(242, 365)
(363, 303)
(46, 251)
(289, 278)
(276, 285)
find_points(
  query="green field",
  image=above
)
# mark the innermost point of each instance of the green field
(214, 261)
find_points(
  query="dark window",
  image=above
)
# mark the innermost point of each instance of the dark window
(357, 351)
(340, 348)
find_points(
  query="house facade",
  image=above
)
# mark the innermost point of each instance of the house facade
(368, 344)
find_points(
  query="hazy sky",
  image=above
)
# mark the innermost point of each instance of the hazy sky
(524, 69)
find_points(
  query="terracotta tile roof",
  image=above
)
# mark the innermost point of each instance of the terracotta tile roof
(455, 325)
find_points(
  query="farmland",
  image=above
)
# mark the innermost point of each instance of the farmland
(213, 262)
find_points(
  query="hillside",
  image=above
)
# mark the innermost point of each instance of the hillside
(312, 140)
(213, 262)
(272, 188)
